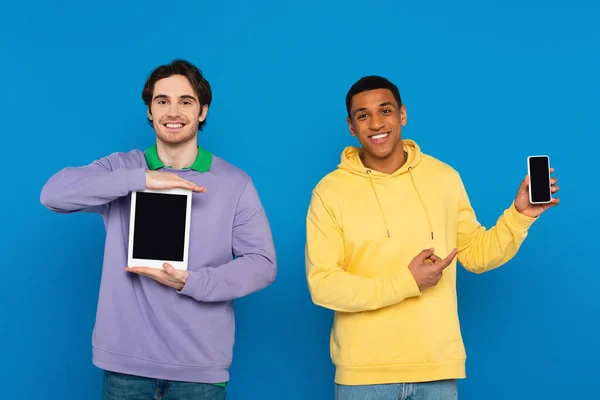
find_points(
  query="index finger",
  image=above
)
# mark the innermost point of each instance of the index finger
(448, 260)
(192, 186)
(199, 189)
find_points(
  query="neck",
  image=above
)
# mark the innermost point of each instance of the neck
(177, 156)
(387, 165)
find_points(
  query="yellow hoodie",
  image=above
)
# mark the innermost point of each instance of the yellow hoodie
(363, 230)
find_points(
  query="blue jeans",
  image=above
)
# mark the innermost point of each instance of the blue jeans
(128, 387)
(438, 390)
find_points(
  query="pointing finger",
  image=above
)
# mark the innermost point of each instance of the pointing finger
(448, 260)
(451, 256)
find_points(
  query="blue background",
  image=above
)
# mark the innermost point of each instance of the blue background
(484, 87)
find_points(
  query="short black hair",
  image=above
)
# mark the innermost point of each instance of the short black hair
(371, 82)
(179, 67)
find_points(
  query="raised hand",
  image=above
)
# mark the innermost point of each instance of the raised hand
(169, 180)
(427, 268)
(523, 205)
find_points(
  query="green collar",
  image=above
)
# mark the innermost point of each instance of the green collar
(201, 164)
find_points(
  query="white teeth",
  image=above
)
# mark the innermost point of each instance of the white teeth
(174, 126)
(377, 137)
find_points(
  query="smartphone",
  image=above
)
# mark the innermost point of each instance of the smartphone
(540, 188)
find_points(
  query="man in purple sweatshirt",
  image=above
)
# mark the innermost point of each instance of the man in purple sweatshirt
(167, 333)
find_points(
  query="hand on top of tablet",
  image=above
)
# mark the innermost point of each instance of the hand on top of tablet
(169, 276)
(169, 180)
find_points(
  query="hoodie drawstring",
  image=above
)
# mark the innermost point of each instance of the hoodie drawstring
(418, 194)
(387, 228)
(421, 199)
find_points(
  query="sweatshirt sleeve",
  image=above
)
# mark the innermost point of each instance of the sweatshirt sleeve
(91, 187)
(254, 266)
(330, 285)
(481, 249)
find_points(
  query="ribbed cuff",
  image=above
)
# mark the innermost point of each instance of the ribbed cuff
(407, 284)
(517, 220)
(192, 285)
(135, 179)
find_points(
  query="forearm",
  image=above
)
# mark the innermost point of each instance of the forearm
(80, 188)
(338, 290)
(237, 278)
(331, 286)
(488, 249)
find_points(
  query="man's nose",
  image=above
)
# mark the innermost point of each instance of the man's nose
(173, 110)
(376, 123)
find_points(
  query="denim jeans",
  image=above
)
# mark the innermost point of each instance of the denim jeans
(438, 390)
(128, 387)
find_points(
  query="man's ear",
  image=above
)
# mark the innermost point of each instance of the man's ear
(203, 113)
(403, 116)
(350, 126)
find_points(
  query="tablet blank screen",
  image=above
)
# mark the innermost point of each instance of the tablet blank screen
(159, 226)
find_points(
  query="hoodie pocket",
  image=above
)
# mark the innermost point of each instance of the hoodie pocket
(407, 333)
(344, 328)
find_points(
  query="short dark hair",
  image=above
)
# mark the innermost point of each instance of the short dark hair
(179, 67)
(371, 82)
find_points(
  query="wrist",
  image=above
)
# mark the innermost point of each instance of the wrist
(184, 277)
(519, 219)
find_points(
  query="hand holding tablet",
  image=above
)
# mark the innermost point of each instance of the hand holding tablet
(159, 228)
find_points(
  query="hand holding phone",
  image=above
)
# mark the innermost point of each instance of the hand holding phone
(538, 189)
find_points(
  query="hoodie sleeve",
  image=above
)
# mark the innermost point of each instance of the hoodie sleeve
(330, 285)
(91, 187)
(481, 249)
(255, 265)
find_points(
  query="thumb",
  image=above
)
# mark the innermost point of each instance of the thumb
(425, 254)
(169, 269)
(525, 183)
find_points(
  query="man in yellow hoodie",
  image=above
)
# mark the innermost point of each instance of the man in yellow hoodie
(384, 233)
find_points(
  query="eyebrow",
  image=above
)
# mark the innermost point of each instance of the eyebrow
(387, 103)
(185, 96)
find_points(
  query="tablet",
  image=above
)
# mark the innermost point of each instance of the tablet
(159, 228)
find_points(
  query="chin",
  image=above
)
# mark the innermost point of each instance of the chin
(176, 139)
(380, 153)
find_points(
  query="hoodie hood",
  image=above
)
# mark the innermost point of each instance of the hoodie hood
(352, 163)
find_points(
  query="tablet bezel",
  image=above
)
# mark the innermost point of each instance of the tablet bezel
(140, 262)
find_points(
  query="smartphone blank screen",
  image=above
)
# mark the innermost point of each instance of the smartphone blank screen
(539, 179)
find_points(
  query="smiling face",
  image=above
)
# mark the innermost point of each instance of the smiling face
(175, 110)
(376, 120)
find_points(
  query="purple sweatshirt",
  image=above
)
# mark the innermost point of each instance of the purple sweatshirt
(143, 327)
